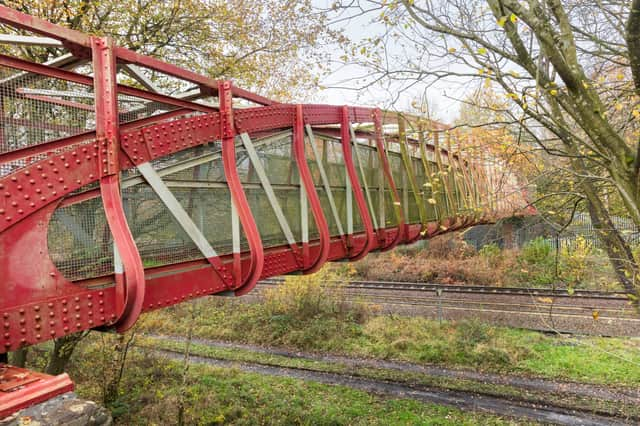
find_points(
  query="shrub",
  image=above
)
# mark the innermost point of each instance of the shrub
(305, 297)
(575, 262)
(492, 254)
(537, 251)
(449, 246)
(536, 264)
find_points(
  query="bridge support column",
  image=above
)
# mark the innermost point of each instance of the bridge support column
(309, 193)
(384, 161)
(130, 283)
(345, 136)
(238, 197)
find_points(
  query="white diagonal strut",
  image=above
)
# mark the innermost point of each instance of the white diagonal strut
(325, 179)
(364, 178)
(173, 205)
(266, 185)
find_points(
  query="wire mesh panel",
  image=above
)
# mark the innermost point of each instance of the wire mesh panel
(371, 173)
(196, 179)
(35, 109)
(276, 158)
(413, 214)
(80, 242)
(337, 173)
(161, 240)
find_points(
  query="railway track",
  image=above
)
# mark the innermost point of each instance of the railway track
(542, 292)
(579, 312)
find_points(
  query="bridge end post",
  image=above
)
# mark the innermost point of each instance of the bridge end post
(238, 197)
(311, 193)
(129, 271)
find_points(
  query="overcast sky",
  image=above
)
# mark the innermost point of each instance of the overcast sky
(357, 29)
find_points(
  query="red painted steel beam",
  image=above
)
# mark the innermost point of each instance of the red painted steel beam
(21, 388)
(128, 56)
(355, 187)
(30, 23)
(273, 117)
(312, 194)
(56, 101)
(130, 282)
(244, 284)
(162, 139)
(317, 115)
(84, 80)
(68, 142)
(384, 161)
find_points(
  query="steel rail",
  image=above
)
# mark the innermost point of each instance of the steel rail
(451, 288)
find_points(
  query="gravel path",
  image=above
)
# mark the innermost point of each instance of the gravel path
(458, 399)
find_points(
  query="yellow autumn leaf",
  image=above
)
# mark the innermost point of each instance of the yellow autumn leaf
(553, 92)
(502, 21)
(585, 84)
(636, 113)
(452, 50)
(482, 51)
(595, 314)
(513, 18)
(620, 76)
(431, 201)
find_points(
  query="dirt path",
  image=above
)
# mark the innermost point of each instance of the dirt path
(628, 396)
(457, 399)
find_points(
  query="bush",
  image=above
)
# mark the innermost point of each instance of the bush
(536, 264)
(305, 297)
(537, 251)
(449, 246)
(576, 262)
(492, 254)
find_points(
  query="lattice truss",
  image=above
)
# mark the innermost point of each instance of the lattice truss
(128, 184)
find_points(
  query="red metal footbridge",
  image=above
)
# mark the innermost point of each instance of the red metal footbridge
(129, 184)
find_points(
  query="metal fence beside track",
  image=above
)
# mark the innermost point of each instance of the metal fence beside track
(583, 312)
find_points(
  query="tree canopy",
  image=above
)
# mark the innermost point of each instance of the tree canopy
(272, 47)
(565, 74)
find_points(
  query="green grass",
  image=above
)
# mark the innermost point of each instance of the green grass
(151, 390)
(606, 361)
(408, 377)
(464, 344)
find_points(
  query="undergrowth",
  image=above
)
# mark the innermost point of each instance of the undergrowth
(447, 259)
(303, 315)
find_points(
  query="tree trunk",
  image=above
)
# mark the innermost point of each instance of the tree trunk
(19, 357)
(115, 361)
(62, 350)
(617, 248)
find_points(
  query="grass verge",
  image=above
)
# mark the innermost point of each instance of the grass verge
(411, 378)
(606, 361)
(152, 390)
